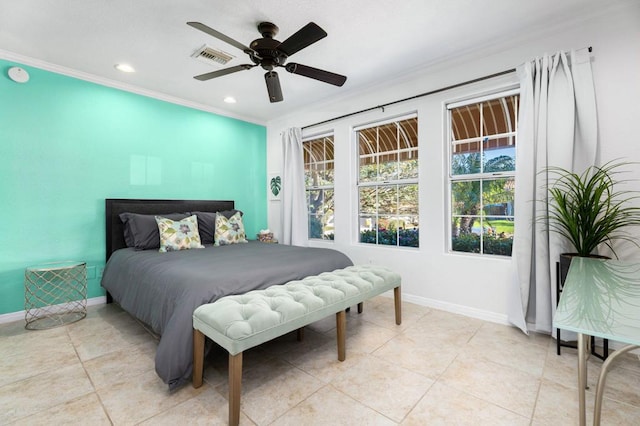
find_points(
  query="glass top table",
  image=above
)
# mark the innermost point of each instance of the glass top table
(600, 298)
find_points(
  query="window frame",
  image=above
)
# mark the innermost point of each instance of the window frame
(475, 177)
(305, 139)
(383, 183)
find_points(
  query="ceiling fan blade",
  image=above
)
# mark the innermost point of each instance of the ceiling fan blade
(305, 36)
(273, 86)
(217, 34)
(220, 73)
(315, 73)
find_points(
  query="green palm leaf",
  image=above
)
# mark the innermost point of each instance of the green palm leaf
(275, 185)
(587, 209)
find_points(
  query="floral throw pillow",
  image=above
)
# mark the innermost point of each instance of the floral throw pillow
(229, 231)
(178, 234)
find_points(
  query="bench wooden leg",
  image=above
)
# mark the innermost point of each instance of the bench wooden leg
(397, 304)
(360, 305)
(341, 326)
(300, 334)
(235, 386)
(198, 357)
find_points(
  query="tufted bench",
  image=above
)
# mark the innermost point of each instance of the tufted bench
(240, 322)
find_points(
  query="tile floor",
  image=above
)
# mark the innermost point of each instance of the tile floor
(437, 368)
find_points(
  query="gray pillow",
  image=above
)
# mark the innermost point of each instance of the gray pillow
(141, 230)
(207, 224)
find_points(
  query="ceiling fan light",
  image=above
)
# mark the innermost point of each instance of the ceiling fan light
(124, 68)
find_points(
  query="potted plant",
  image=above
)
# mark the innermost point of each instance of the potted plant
(588, 210)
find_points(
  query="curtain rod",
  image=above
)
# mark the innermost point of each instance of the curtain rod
(432, 92)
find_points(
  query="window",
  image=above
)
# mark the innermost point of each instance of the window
(482, 136)
(318, 175)
(388, 183)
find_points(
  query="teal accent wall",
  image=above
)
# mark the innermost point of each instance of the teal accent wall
(67, 144)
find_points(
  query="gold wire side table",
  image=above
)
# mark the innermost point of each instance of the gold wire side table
(55, 294)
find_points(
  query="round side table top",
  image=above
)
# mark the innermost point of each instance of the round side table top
(55, 265)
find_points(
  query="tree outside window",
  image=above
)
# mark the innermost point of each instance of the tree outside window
(388, 183)
(482, 175)
(319, 175)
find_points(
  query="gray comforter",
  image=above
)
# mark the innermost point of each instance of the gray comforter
(163, 289)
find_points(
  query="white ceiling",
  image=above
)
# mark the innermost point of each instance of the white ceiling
(369, 41)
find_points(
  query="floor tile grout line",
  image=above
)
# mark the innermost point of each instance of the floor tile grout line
(86, 372)
(481, 397)
(35, 374)
(95, 388)
(298, 404)
(535, 403)
(364, 405)
(49, 372)
(424, 395)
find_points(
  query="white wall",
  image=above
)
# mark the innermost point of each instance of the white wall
(472, 285)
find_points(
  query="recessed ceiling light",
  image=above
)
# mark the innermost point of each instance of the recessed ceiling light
(230, 100)
(125, 68)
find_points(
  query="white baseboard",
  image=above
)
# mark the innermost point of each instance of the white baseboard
(19, 316)
(453, 308)
(483, 315)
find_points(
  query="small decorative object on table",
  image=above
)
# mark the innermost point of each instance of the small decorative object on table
(266, 236)
(55, 294)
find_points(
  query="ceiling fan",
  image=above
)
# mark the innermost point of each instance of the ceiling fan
(269, 53)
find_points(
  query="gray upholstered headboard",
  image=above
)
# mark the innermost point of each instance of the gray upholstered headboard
(113, 208)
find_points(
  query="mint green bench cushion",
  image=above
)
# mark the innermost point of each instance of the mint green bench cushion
(243, 321)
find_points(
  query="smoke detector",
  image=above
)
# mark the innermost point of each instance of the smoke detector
(210, 55)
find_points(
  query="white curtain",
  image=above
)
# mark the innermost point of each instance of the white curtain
(294, 204)
(557, 126)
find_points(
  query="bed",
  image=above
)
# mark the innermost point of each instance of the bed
(163, 289)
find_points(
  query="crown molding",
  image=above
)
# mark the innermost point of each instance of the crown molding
(69, 72)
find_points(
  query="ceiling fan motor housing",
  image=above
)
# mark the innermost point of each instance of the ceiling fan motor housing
(267, 47)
